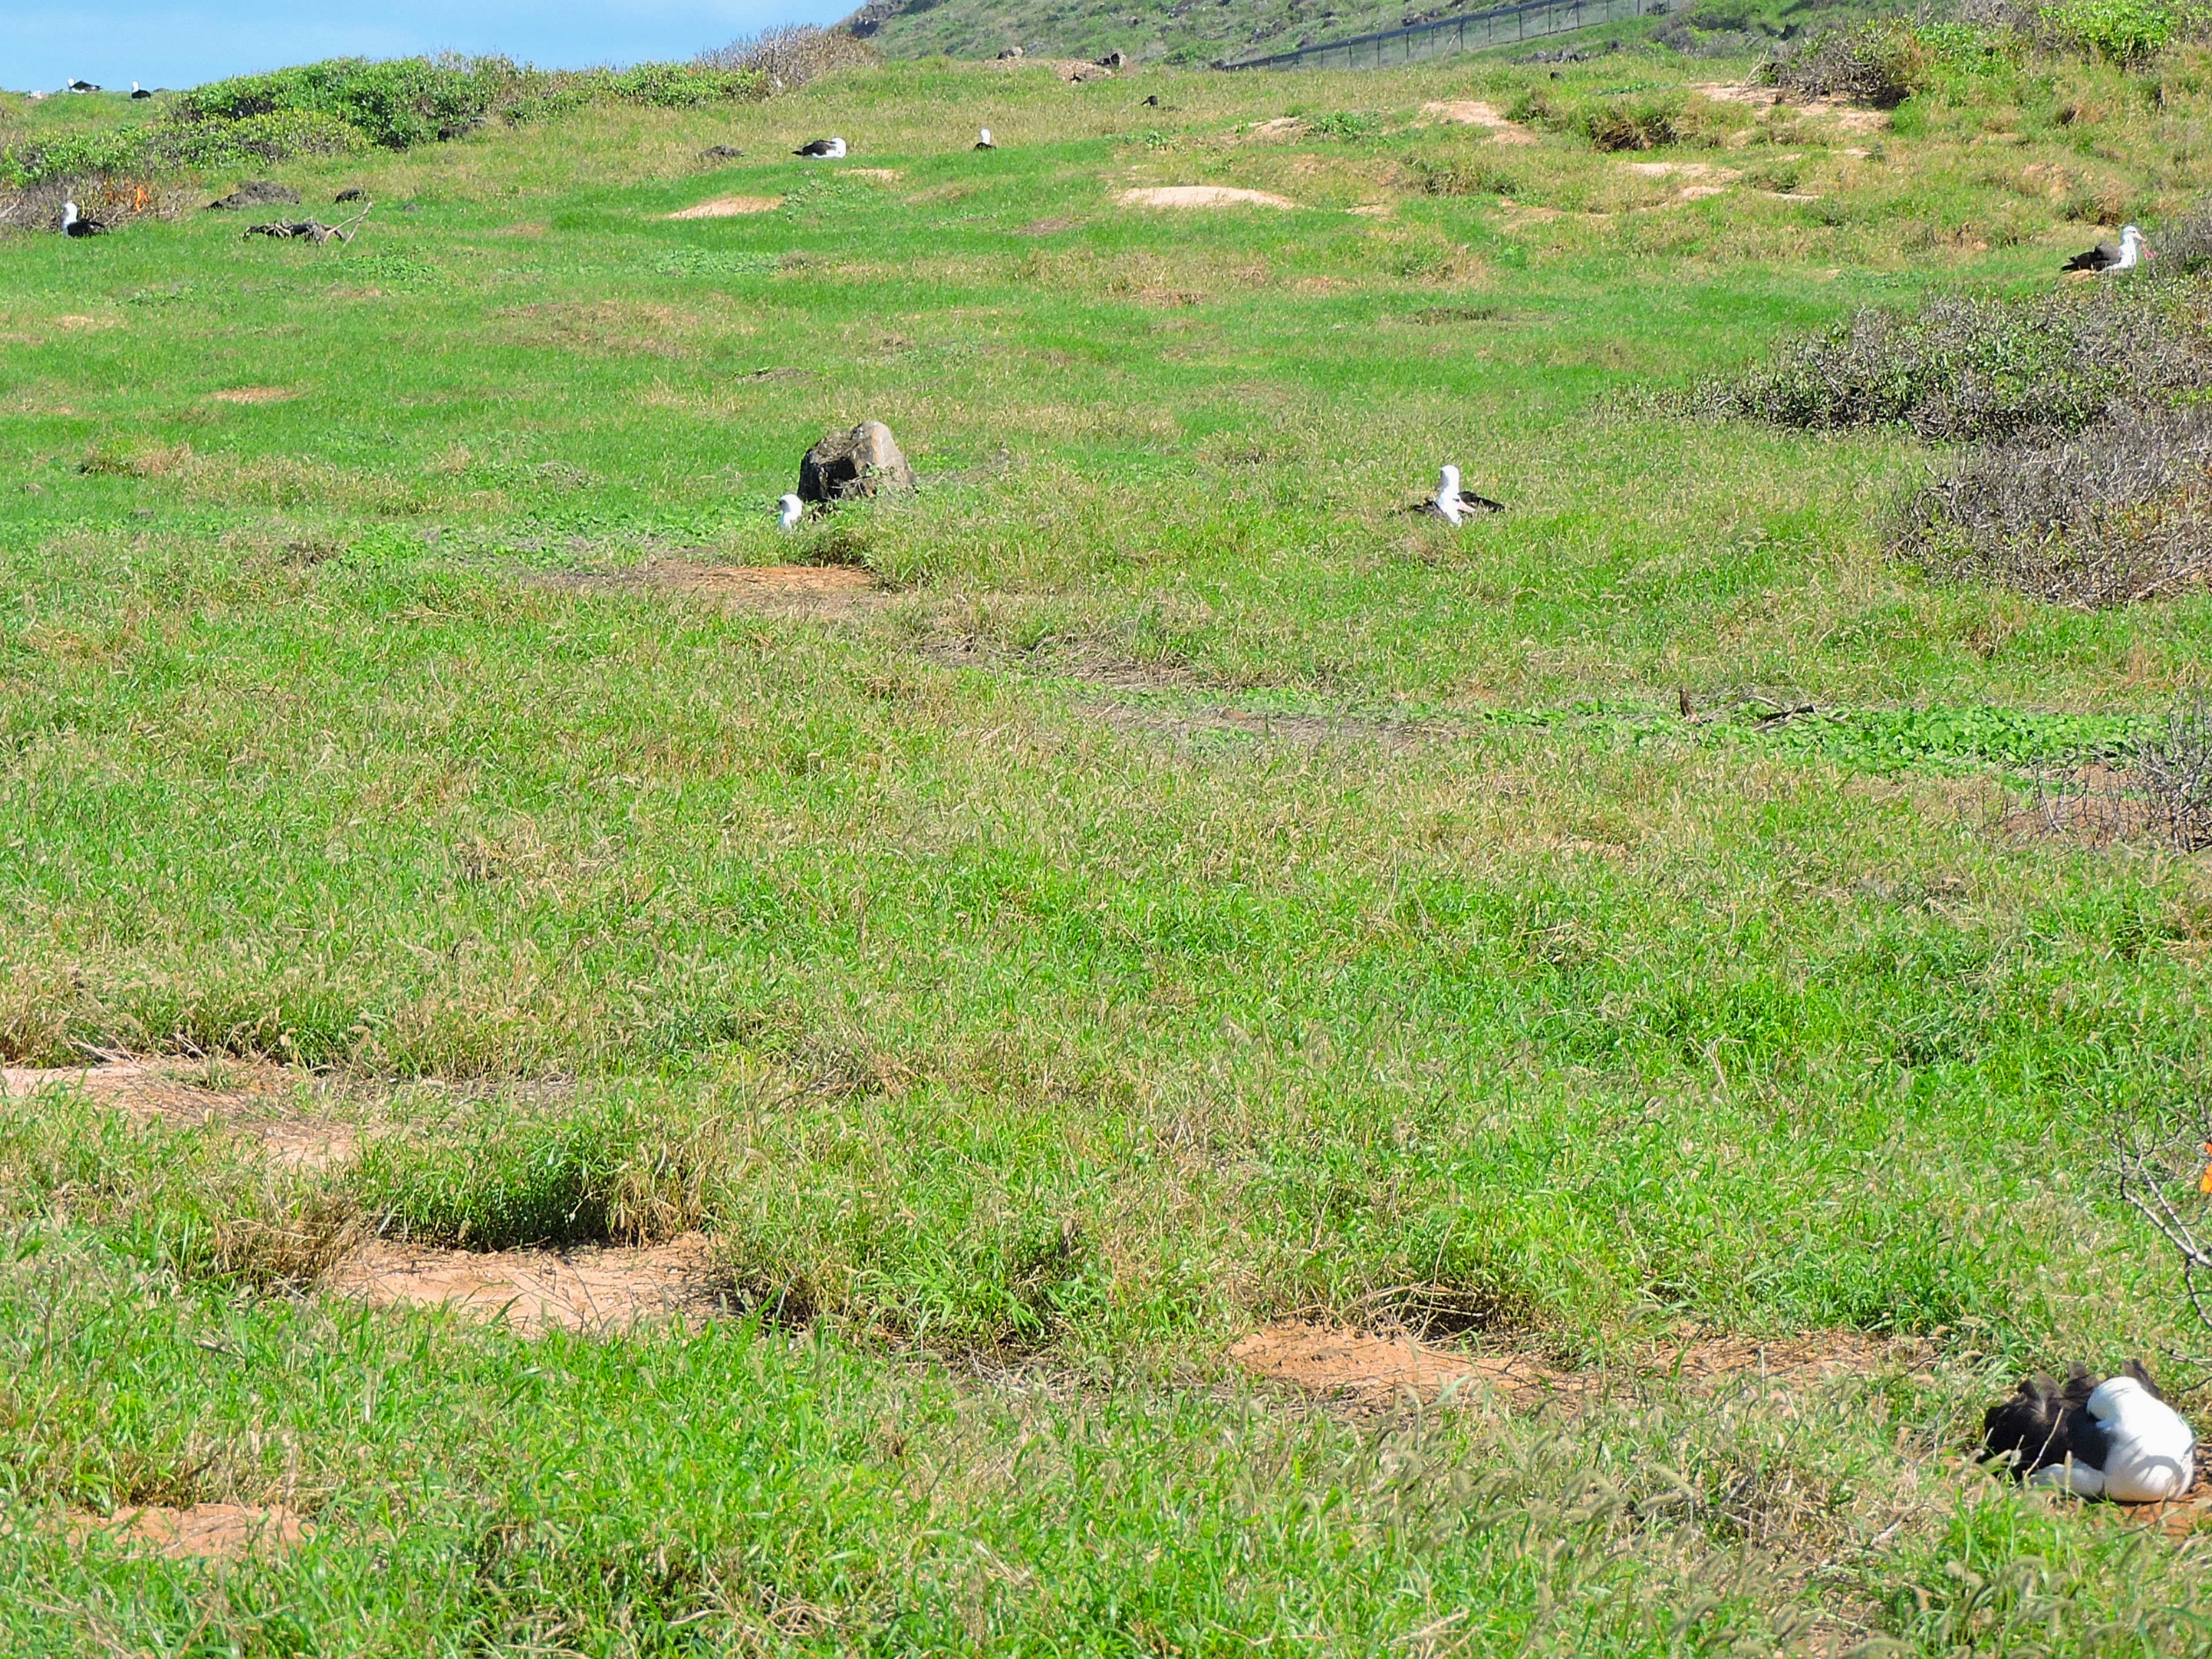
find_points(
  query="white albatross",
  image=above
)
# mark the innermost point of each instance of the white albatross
(2107, 259)
(823, 149)
(1452, 504)
(792, 510)
(76, 224)
(984, 140)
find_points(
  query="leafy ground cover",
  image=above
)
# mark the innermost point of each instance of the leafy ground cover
(1187, 895)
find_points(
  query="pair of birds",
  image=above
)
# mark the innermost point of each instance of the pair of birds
(833, 149)
(2112, 257)
(2115, 1438)
(1450, 503)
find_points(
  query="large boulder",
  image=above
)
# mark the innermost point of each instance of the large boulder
(864, 461)
(258, 193)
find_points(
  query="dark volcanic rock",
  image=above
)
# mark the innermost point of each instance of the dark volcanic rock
(258, 192)
(862, 462)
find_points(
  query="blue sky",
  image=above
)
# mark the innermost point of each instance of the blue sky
(43, 43)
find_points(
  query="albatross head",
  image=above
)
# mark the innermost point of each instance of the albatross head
(1448, 482)
(791, 506)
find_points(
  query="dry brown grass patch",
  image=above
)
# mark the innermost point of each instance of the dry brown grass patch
(204, 1532)
(252, 394)
(1201, 196)
(728, 207)
(787, 589)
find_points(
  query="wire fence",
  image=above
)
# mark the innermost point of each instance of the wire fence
(1472, 31)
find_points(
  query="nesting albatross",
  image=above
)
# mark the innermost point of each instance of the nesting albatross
(983, 142)
(1452, 503)
(792, 509)
(823, 149)
(76, 224)
(2106, 257)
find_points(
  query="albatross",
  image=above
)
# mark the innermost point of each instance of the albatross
(138, 91)
(984, 140)
(823, 149)
(2105, 257)
(76, 224)
(793, 509)
(1452, 503)
(83, 86)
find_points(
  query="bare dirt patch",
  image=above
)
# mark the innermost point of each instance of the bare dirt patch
(2095, 805)
(1681, 170)
(251, 1099)
(1281, 127)
(1472, 113)
(252, 394)
(1067, 69)
(775, 589)
(728, 207)
(1366, 1371)
(1201, 196)
(886, 174)
(590, 1289)
(1849, 117)
(206, 1531)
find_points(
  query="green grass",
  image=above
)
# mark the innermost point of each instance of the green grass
(1021, 1028)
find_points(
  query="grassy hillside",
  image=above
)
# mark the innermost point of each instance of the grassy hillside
(1196, 32)
(1137, 892)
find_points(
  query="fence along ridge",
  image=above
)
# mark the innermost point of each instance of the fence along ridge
(1557, 17)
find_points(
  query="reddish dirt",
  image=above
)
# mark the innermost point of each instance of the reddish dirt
(1356, 1369)
(1470, 112)
(2182, 1516)
(217, 1532)
(597, 1291)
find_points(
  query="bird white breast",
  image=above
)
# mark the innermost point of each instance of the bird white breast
(2154, 1451)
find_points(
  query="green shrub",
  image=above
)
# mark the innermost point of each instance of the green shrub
(394, 103)
(2117, 31)
(1619, 126)
(1347, 124)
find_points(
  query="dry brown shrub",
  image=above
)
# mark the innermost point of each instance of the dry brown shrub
(791, 55)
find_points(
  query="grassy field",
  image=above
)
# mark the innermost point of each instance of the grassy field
(1183, 897)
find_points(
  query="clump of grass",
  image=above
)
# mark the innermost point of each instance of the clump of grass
(507, 1175)
(1616, 126)
(1348, 124)
(1972, 370)
(2110, 517)
(1462, 176)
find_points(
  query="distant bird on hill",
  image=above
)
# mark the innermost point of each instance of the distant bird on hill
(82, 86)
(823, 149)
(984, 142)
(2106, 257)
(791, 507)
(138, 91)
(76, 224)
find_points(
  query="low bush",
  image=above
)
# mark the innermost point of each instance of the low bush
(2117, 31)
(1969, 369)
(1880, 63)
(791, 56)
(2114, 516)
(1622, 127)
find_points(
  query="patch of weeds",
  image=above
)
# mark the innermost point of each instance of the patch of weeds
(397, 270)
(1346, 125)
(1617, 126)
(2119, 513)
(1883, 740)
(2175, 771)
(1462, 176)
(553, 476)
(714, 262)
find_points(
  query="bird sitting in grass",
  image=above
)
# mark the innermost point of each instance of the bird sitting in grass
(138, 91)
(791, 510)
(823, 149)
(76, 224)
(2116, 1438)
(983, 142)
(1452, 503)
(2107, 259)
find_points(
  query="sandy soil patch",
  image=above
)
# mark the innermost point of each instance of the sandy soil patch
(252, 394)
(252, 1099)
(1201, 196)
(207, 1532)
(598, 1289)
(1067, 69)
(1281, 127)
(1849, 117)
(887, 174)
(1682, 170)
(728, 207)
(1357, 1369)
(1472, 113)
